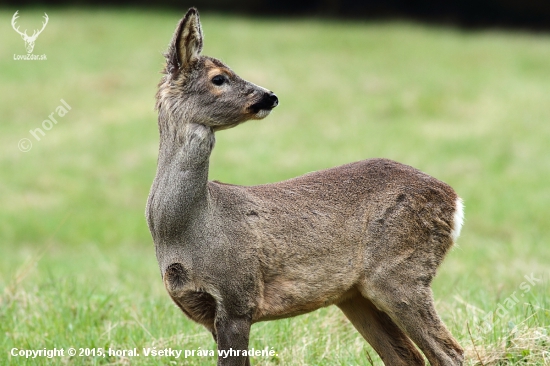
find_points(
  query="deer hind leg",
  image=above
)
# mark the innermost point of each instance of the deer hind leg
(391, 344)
(411, 307)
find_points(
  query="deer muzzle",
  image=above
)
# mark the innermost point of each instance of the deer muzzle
(268, 101)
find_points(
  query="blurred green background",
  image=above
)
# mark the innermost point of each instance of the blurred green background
(78, 268)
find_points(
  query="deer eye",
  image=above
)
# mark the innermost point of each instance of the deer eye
(219, 80)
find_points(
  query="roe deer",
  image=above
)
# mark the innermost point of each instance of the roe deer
(366, 237)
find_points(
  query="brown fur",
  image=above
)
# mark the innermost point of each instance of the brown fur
(367, 236)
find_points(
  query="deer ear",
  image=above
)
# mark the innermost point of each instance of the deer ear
(186, 44)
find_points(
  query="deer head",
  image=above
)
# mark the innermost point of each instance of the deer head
(29, 40)
(202, 90)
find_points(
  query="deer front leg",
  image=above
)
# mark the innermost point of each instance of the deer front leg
(232, 338)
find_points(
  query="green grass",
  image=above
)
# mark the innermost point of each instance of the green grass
(78, 267)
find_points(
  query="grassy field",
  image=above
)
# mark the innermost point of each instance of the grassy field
(77, 264)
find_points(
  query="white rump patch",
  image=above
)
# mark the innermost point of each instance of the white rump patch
(458, 219)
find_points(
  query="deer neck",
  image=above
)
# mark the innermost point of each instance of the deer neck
(187, 150)
(180, 191)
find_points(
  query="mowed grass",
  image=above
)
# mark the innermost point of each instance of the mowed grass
(77, 264)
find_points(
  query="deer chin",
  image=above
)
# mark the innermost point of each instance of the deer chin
(262, 113)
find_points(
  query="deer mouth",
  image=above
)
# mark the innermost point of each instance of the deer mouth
(262, 113)
(264, 106)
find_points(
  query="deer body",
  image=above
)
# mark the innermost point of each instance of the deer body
(367, 236)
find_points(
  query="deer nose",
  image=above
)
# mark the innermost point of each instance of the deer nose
(273, 99)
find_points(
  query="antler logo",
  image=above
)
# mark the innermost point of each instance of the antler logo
(29, 40)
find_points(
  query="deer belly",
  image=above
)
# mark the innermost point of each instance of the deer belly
(282, 298)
